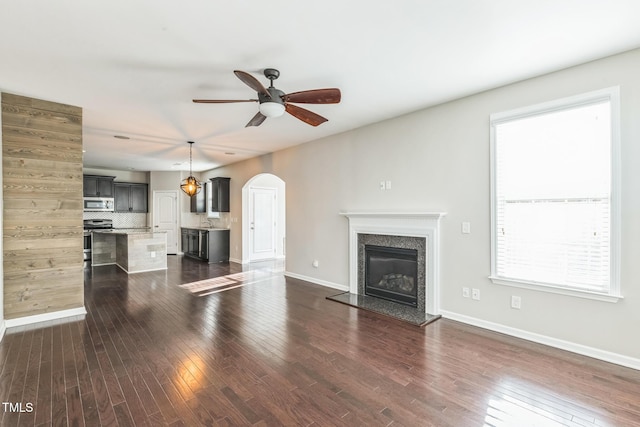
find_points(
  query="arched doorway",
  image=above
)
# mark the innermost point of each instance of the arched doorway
(263, 218)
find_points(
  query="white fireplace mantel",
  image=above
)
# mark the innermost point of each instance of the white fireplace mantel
(413, 224)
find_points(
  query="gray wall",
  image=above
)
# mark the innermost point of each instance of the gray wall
(438, 160)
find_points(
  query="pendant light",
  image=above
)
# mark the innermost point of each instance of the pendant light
(190, 185)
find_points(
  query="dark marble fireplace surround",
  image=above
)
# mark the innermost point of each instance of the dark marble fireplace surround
(402, 242)
(412, 230)
(414, 315)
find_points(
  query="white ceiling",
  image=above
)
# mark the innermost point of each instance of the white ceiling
(135, 66)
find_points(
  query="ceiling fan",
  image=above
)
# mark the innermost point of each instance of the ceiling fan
(274, 102)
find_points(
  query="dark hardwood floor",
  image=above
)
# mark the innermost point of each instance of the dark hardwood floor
(276, 352)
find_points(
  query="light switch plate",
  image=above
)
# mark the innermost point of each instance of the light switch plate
(466, 228)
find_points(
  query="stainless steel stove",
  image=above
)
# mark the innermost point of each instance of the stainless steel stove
(93, 224)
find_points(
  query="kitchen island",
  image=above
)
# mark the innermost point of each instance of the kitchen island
(134, 250)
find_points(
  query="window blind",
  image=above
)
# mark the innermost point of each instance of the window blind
(552, 197)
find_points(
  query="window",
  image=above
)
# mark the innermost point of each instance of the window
(554, 196)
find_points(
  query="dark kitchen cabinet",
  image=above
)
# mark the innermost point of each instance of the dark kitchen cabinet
(131, 197)
(211, 245)
(97, 186)
(185, 241)
(199, 201)
(191, 242)
(139, 198)
(220, 194)
(218, 245)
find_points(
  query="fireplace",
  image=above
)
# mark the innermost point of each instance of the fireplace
(419, 231)
(391, 273)
(398, 271)
(394, 255)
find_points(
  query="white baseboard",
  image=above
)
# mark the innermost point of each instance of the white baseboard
(584, 350)
(45, 317)
(3, 328)
(317, 281)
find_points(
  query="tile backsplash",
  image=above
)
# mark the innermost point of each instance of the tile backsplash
(222, 222)
(120, 220)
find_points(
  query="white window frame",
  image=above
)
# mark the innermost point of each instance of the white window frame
(612, 95)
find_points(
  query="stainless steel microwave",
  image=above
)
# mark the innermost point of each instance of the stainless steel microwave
(98, 204)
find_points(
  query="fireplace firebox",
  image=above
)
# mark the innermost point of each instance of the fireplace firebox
(391, 273)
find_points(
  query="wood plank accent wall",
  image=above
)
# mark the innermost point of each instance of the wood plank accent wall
(42, 181)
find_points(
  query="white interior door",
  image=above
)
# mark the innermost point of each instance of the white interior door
(165, 214)
(263, 223)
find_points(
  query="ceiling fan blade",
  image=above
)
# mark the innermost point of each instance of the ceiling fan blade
(315, 96)
(222, 101)
(256, 120)
(252, 82)
(306, 116)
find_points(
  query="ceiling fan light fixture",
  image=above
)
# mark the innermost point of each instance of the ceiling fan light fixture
(273, 102)
(190, 185)
(271, 109)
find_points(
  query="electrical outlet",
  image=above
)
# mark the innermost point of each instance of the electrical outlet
(465, 292)
(475, 294)
(315, 263)
(516, 302)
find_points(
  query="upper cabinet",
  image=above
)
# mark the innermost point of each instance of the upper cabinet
(220, 194)
(131, 197)
(199, 201)
(98, 186)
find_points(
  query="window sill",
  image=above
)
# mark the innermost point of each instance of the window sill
(556, 290)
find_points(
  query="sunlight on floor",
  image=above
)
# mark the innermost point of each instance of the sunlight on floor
(523, 404)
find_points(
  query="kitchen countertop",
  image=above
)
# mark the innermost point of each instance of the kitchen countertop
(205, 228)
(129, 231)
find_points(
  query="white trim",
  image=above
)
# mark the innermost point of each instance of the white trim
(607, 356)
(555, 289)
(317, 281)
(390, 214)
(611, 94)
(45, 317)
(410, 224)
(3, 328)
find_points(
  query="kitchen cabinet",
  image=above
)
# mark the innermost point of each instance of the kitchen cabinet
(191, 242)
(220, 194)
(206, 244)
(199, 201)
(131, 197)
(97, 186)
(218, 245)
